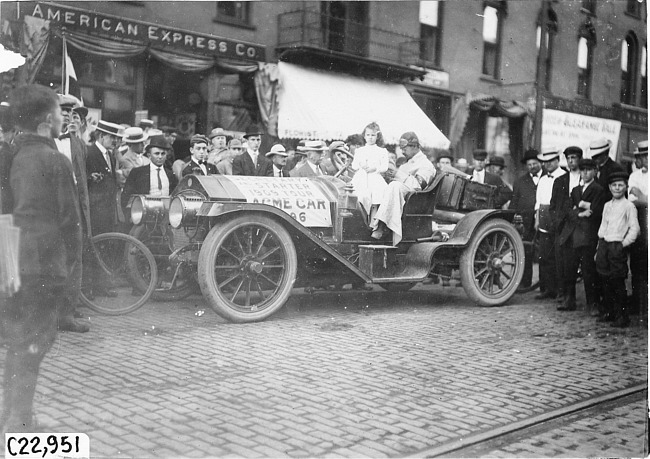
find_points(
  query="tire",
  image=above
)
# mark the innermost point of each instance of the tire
(492, 265)
(398, 286)
(129, 268)
(535, 281)
(161, 249)
(240, 261)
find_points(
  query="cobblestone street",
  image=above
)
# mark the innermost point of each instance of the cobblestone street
(346, 374)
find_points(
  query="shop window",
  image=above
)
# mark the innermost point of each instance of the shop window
(628, 69)
(551, 32)
(633, 8)
(586, 43)
(234, 12)
(644, 77)
(589, 6)
(492, 19)
(430, 31)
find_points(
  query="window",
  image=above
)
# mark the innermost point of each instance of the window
(430, 32)
(628, 69)
(589, 6)
(644, 77)
(586, 43)
(492, 14)
(234, 12)
(633, 8)
(551, 31)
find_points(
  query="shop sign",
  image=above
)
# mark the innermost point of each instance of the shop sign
(578, 106)
(156, 35)
(563, 129)
(636, 117)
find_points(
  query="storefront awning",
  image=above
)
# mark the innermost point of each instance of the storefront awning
(320, 105)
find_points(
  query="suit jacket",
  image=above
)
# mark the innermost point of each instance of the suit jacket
(243, 165)
(127, 162)
(584, 230)
(193, 169)
(138, 182)
(504, 193)
(101, 192)
(523, 201)
(78, 157)
(304, 171)
(603, 174)
(561, 204)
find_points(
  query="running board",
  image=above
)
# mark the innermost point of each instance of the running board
(380, 262)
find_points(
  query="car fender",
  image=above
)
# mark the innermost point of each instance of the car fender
(467, 225)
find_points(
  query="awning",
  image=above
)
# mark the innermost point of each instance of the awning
(320, 105)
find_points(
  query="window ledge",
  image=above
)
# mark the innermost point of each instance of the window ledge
(234, 23)
(634, 16)
(489, 79)
(636, 108)
(587, 12)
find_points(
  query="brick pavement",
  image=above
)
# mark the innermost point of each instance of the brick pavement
(332, 375)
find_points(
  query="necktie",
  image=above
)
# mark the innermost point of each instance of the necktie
(108, 160)
(159, 180)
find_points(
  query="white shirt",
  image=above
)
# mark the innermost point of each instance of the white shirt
(153, 181)
(478, 177)
(638, 179)
(574, 180)
(276, 171)
(202, 166)
(535, 178)
(104, 151)
(64, 147)
(315, 168)
(545, 187)
(253, 155)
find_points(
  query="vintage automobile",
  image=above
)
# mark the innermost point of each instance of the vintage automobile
(248, 241)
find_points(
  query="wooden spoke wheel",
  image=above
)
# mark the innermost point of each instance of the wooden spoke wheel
(247, 268)
(492, 265)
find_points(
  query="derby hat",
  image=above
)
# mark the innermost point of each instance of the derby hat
(479, 155)
(199, 138)
(145, 123)
(277, 149)
(252, 131)
(496, 161)
(617, 176)
(339, 145)
(81, 111)
(599, 147)
(530, 154)
(134, 135)
(313, 145)
(641, 148)
(109, 128)
(445, 155)
(217, 132)
(573, 150)
(549, 154)
(158, 141)
(587, 163)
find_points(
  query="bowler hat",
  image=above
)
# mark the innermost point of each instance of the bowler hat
(134, 135)
(641, 148)
(587, 163)
(82, 111)
(108, 128)
(158, 141)
(445, 155)
(599, 147)
(217, 132)
(530, 154)
(253, 130)
(573, 150)
(199, 138)
(277, 149)
(339, 145)
(549, 154)
(617, 176)
(479, 155)
(496, 161)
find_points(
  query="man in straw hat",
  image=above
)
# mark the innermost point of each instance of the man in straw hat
(134, 137)
(251, 162)
(313, 150)
(278, 156)
(599, 152)
(548, 281)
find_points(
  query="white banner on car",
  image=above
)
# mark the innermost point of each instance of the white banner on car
(298, 197)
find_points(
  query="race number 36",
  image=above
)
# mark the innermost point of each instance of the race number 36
(47, 445)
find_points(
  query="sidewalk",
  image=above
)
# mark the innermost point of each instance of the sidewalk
(334, 374)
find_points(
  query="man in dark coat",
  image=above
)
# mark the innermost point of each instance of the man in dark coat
(481, 175)
(46, 210)
(251, 162)
(152, 179)
(523, 201)
(560, 209)
(102, 182)
(599, 152)
(198, 164)
(580, 233)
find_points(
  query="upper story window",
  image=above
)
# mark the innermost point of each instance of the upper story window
(234, 12)
(492, 24)
(629, 69)
(430, 31)
(644, 77)
(551, 31)
(589, 6)
(634, 8)
(586, 43)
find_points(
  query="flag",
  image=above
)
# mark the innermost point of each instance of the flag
(70, 82)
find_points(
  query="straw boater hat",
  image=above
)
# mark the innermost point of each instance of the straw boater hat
(145, 123)
(641, 148)
(277, 149)
(134, 135)
(549, 154)
(109, 128)
(313, 145)
(599, 147)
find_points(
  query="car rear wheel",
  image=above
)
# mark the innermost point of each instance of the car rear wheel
(247, 268)
(492, 265)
